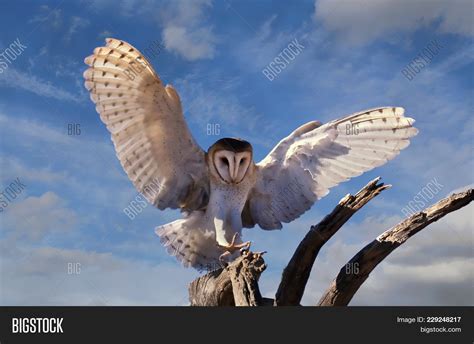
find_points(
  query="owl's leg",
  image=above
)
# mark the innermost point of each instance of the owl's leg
(232, 247)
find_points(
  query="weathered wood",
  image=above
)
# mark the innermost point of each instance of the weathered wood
(234, 285)
(244, 274)
(296, 274)
(349, 280)
(212, 289)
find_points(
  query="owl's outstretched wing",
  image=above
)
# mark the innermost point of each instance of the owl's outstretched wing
(147, 126)
(303, 166)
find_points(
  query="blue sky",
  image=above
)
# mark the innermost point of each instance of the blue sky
(214, 52)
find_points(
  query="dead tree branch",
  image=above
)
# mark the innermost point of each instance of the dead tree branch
(348, 281)
(234, 285)
(212, 289)
(296, 274)
(244, 277)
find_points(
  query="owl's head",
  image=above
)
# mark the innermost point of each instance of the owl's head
(230, 160)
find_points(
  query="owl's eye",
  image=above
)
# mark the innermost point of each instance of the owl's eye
(242, 162)
(225, 161)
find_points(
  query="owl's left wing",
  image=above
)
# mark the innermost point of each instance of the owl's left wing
(305, 165)
(147, 126)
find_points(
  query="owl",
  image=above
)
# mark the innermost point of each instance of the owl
(222, 190)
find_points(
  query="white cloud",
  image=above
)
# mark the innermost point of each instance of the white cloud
(28, 82)
(103, 279)
(32, 130)
(53, 17)
(87, 168)
(33, 60)
(184, 30)
(76, 24)
(446, 154)
(214, 101)
(265, 29)
(260, 49)
(183, 23)
(361, 21)
(105, 34)
(17, 168)
(35, 217)
(192, 44)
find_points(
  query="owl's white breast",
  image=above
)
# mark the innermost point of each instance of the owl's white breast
(224, 210)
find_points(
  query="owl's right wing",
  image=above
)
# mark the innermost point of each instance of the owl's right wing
(147, 126)
(314, 158)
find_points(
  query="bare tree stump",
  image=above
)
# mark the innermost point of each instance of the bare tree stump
(234, 285)
(244, 274)
(212, 289)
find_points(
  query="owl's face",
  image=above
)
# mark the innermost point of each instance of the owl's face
(231, 166)
(231, 160)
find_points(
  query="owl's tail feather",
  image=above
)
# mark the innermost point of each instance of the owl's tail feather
(191, 242)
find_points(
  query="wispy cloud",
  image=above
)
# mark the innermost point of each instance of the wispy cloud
(362, 21)
(215, 102)
(16, 167)
(100, 279)
(76, 24)
(53, 17)
(105, 34)
(28, 82)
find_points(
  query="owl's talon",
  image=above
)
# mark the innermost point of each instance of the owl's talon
(246, 248)
(232, 247)
(222, 259)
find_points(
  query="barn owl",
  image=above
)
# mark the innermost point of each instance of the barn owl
(223, 190)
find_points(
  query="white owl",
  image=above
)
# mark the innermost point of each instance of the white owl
(223, 190)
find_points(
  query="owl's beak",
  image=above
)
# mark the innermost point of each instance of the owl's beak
(233, 178)
(232, 170)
